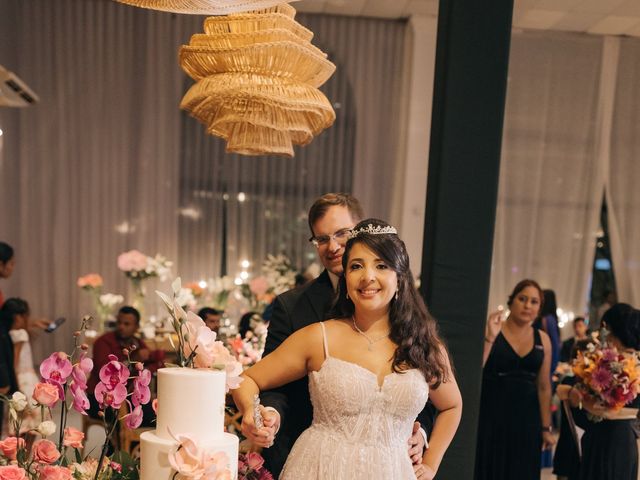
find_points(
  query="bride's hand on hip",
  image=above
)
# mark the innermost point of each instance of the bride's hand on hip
(262, 437)
(424, 472)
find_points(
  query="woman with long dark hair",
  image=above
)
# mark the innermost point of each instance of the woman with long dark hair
(371, 369)
(515, 413)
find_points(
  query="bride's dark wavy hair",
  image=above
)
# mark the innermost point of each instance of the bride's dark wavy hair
(413, 329)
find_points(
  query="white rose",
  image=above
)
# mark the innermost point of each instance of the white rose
(46, 428)
(18, 401)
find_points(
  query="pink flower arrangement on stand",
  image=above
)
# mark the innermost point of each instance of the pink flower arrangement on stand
(137, 267)
(64, 383)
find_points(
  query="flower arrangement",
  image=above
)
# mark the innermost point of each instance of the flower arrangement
(104, 303)
(607, 375)
(197, 345)
(279, 273)
(137, 267)
(278, 276)
(248, 350)
(64, 382)
(250, 467)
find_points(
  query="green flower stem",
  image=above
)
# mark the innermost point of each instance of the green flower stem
(108, 430)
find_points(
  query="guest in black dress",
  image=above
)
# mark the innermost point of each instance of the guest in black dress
(515, 414)
(566, 459)
(609, 448)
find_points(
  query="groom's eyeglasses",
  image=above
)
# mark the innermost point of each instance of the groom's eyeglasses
(341, 237)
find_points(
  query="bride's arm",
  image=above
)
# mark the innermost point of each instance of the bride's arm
(285, 364)
(448, 401)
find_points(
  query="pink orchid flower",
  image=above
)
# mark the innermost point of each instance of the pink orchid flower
(110, 397)
(134, 418)
(144, 377)
(82, 369)
(114, 372)
(80, 400)
(141, 393)
(56, 369)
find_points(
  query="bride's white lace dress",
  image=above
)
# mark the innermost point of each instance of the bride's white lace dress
(360, 429)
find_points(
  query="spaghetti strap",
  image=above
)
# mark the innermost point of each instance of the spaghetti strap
(325, 342)
(536, 337)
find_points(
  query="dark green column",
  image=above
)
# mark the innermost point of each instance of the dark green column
(464, 160)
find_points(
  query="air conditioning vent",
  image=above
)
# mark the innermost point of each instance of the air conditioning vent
(13, 91)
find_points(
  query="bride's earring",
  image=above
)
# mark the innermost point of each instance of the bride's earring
(347, 294)
(396, 295)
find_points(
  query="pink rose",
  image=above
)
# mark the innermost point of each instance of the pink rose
(10, 446)
(73, 438)
(46, 394)
(50, 472)
(91, 280)
(45, 451)
(254, 460)
(12, 472)
(132, 260)
(116, 467)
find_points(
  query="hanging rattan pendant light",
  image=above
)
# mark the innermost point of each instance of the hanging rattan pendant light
(257, 77)
(204, 7)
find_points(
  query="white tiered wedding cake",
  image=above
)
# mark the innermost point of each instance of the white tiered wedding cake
(190, 402)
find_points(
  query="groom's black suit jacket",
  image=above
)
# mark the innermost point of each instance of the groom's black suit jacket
(292, 311)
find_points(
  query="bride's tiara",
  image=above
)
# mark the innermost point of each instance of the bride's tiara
(371, 230)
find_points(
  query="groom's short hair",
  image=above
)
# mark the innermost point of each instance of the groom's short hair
(328, 200)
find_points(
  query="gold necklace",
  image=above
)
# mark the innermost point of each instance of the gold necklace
(370, 340)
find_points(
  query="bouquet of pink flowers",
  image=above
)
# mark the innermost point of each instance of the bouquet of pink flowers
(64, 382)
(607, 375)
(250, 467)
(137, 265)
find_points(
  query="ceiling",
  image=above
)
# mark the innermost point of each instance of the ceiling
(600, 17)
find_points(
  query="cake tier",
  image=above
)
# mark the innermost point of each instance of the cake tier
(154, 450)
(190, 401)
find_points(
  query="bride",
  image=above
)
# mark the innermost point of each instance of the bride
(370, 371)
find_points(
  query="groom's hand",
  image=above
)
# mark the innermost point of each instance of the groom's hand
(416, 444)
(262, 437)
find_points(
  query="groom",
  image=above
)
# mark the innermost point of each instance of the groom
(288, 409)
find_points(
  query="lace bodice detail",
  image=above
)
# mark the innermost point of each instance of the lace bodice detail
(360, 429)
(346, 396)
